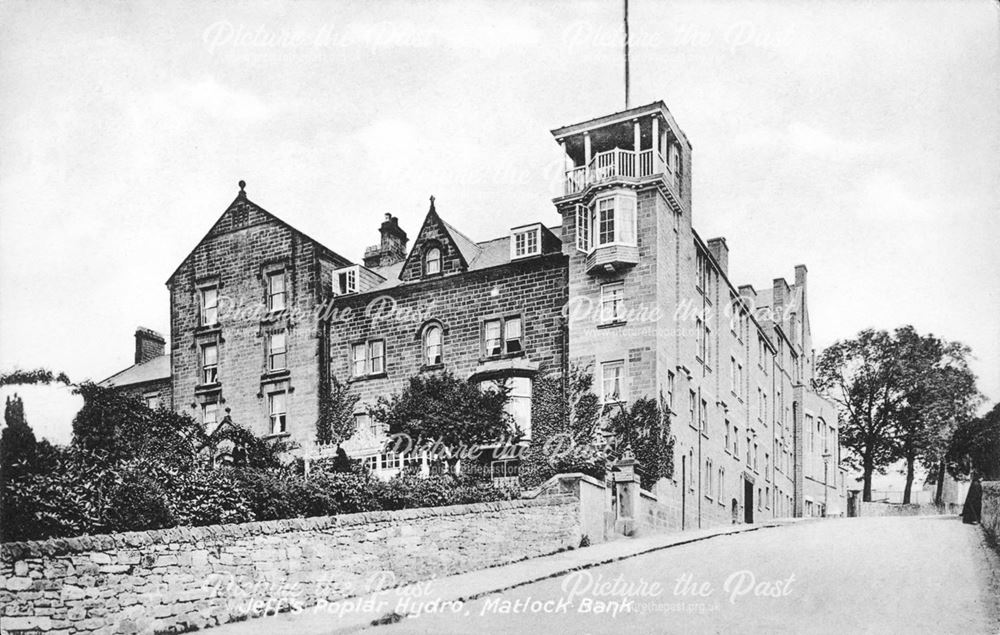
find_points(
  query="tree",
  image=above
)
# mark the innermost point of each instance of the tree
(442, 408)
(336, 413)
(975, 446)
(863, 377)
(17, 442)
(940, 390)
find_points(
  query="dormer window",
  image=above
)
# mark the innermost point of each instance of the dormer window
(610, 220)
(432, 261)
(525, 241)
(347, 281)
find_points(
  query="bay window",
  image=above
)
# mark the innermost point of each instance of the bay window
(610, 220)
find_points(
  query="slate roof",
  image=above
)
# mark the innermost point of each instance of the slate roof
(155, 369)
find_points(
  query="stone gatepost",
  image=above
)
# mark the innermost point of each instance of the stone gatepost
(627, 485)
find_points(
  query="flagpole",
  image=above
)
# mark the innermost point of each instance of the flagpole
(627, 96)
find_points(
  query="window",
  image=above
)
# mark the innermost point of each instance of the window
(755, 454)
(152, 400)
(519, 404)
(749, 450)
(512, 335)
(708, 345)
(432, 345)
(606, 221)
(276, 351)
(691, 469)
(727, 434)
(703, 417)
(670, 390)
(276, 401)
(722, 485)
(358, 359)
(613, 381)
(732, 373)
(209, 416)
(736, 441)
(760, 403)
(526, 242)
(365, 424)
(502, 336)
(613, 302)
(692, 405)
(491, 338)
(209, 364)
(347, 281)
(707, 486)
(376, 357)
(767, 466)
(810, 433)
(368, 358)
(389, 461)
(583, 228)
(276, 291)
(209, 306)
(739, 379)
(613, 220)
(432, 261)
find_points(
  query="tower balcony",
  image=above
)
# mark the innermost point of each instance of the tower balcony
(634, 146)
(618, 164)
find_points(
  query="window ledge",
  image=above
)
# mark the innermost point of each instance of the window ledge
(201, 389)
(277, 435)
(493, 358)
(367, 377)
(612, 324)
(275, 375)
(208, 329)
(274, 317)
(426, 368)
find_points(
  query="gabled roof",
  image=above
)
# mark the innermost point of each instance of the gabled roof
(154, 369)
(241, 199)
(468, 247)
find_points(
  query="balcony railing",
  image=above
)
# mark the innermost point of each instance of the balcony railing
(615, 164)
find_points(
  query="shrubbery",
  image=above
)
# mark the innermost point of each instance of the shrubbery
(156, 471)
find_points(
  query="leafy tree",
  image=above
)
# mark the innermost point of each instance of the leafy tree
(975, 446)
(645, 428)
(17, 442)
(336, 413)
(863, 376)
(442, 408)
(940, 390)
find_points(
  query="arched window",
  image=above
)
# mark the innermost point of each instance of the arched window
(432, 345)
(432, 261)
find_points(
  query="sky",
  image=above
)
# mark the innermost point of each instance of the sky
(862, 139)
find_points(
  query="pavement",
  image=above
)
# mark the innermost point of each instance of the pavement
(440, 596)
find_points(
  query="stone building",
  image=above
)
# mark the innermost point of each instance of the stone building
(263, 315)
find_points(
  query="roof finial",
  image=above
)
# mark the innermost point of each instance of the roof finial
(243, 185)
(432, 203)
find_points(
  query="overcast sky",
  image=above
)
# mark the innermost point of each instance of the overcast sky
(860, 139)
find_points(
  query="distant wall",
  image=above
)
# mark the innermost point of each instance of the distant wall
(193, 577)
(899, 509)
(991, 508)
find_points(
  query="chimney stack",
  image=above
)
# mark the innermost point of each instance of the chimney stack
(148, 344)
(391, 249)
(720, 251)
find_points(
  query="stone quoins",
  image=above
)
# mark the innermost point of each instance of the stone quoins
(11, 551)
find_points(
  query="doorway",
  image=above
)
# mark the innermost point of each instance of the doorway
(747, 501)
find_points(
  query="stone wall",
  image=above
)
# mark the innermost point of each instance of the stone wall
(991, 508)
(190, 578)
(898, 509)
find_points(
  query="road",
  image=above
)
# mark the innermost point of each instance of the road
(878, 575)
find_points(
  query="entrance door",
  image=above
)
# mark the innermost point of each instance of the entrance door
(747, 501)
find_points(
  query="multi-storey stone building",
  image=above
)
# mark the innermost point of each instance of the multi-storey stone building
(262, 316)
